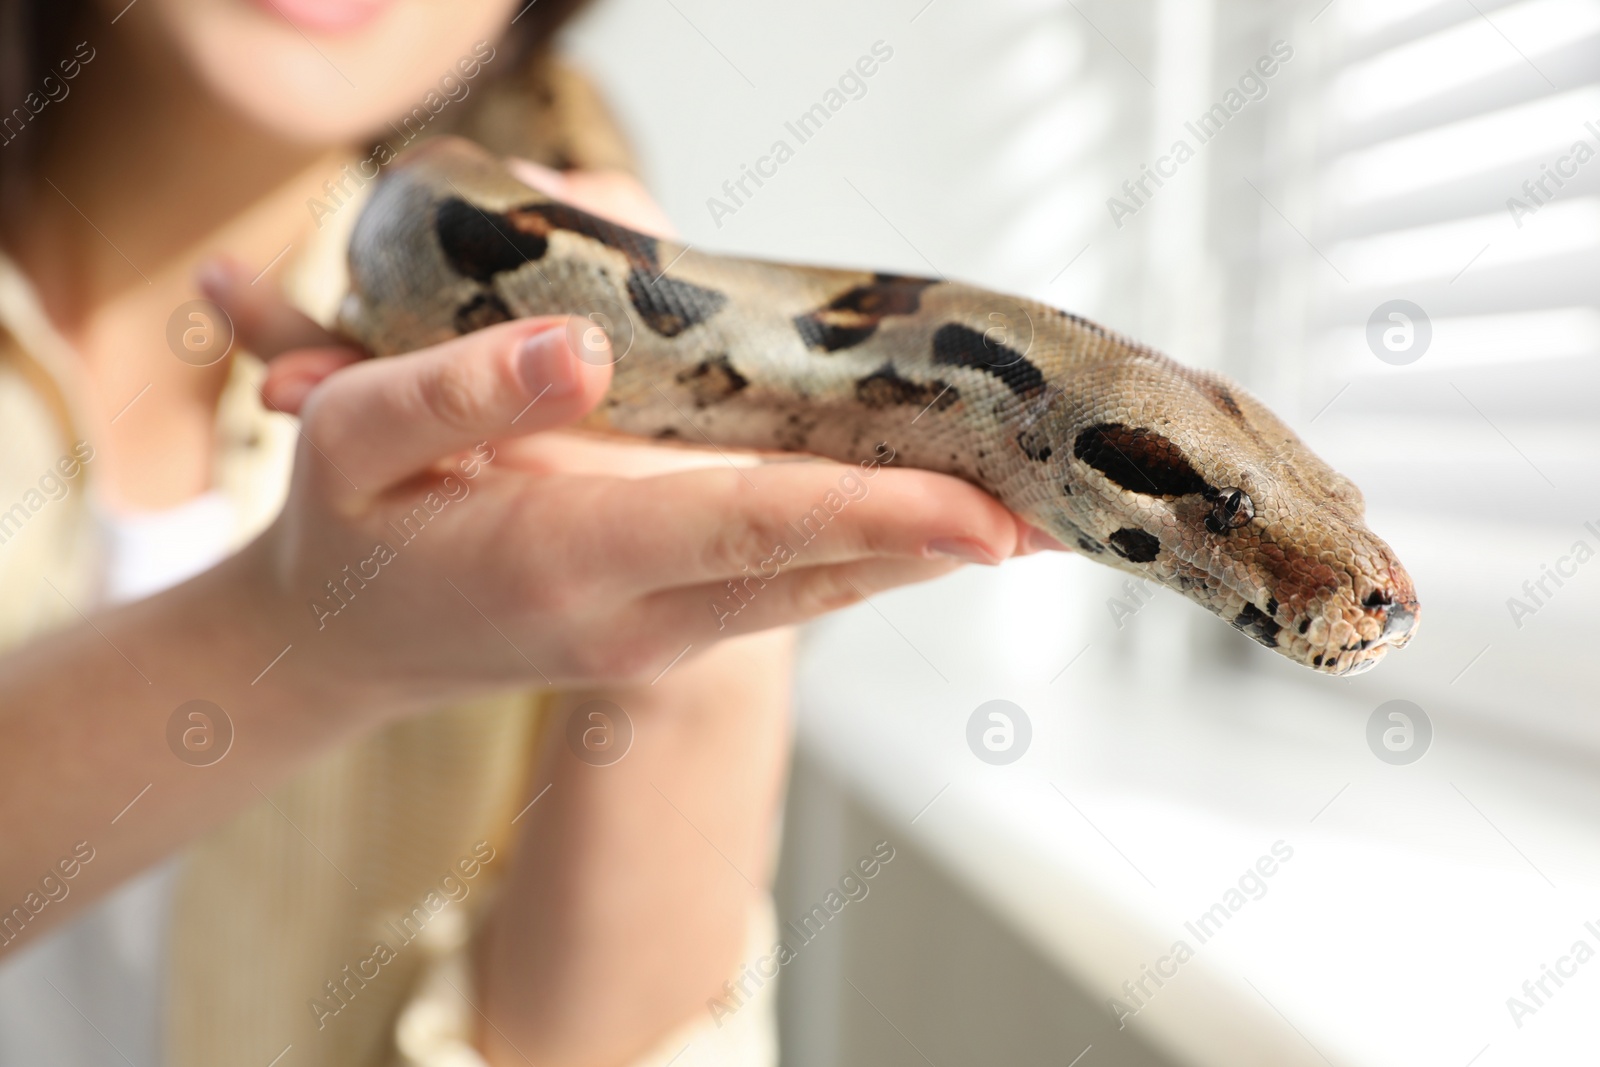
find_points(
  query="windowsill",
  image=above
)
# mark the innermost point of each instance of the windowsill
(1395, 933)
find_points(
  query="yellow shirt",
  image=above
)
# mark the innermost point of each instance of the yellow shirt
(332, 917)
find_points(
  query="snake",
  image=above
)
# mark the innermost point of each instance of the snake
(1174, 474)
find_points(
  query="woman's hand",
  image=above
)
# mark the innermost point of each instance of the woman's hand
(438, 539)
(421, 552)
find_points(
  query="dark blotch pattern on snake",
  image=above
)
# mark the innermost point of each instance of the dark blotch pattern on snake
(1177, 475)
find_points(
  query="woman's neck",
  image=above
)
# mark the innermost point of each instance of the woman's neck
(141, 175)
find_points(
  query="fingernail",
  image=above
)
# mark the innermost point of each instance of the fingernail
(288, 397)
(964, 549)
(1036, 540)
(546, 366)
(212, 277)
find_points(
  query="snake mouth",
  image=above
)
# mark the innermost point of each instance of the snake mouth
(1359, 638)
(1343, 625)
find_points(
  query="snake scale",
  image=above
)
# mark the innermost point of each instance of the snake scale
(1173, 474)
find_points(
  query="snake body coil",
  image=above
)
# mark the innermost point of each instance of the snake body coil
(1172, 474)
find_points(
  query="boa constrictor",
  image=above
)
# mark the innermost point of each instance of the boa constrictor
(1172, 474)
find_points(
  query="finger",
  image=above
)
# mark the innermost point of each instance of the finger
(291, 376)
(263, 321)
(547, 180)
(711, 525)
(611, 194)
(1032, 539)
(383, 420)
(715, 610)
(581, 451)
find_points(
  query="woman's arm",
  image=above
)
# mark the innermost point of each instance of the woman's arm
(628, 901)
(529, 573)
(90, 791)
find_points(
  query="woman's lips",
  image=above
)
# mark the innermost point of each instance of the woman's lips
(326, 16)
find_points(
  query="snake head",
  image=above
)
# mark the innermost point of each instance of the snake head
(1182, 477)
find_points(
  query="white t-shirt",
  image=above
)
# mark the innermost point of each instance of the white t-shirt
(91, 994)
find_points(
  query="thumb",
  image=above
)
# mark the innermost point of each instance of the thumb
(384, 420)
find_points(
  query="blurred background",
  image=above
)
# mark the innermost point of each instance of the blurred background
(1400, 150)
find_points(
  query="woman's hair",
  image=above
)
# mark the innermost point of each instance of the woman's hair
(37, 34)
(33, 35)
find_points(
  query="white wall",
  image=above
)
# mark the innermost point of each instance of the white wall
(985, 149)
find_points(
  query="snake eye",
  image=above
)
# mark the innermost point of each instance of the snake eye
(1233, 509)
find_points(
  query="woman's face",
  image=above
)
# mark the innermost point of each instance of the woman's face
(327, 71)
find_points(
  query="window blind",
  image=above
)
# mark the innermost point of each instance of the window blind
(1458, 169)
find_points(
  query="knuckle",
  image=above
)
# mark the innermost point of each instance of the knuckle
(727, 546)
(463, 392)
(743, 541)
(822, 590)
(588, 659)
(617, 659)
(554, 596)
(874, 535)
(322, 425)
(453, 395)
